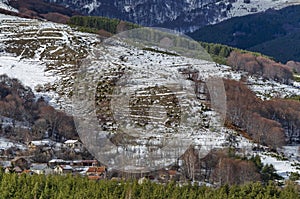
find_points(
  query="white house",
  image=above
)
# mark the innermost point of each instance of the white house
(74, 144)
(33, 145)
(63, 169)
(41, 169)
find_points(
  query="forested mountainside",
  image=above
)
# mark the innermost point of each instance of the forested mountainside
(265, 25)
(182, 15)
(274, 33)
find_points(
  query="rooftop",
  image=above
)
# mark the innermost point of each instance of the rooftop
(71, 141)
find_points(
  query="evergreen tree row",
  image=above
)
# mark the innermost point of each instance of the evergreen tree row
(41, 186)
(94, 24)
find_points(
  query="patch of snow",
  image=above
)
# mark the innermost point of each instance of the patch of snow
(291, 152)
(5, 5)
(240, 8)
(296, 84)
(71, 141)
(92, 6)
(29, 72)
(6, 144)
(127, 8)
(267, 89)
(34, 71)
(283, 167)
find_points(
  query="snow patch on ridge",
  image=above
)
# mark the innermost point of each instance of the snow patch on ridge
(5, 5)
(92, 6)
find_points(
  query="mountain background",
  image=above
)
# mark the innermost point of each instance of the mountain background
(259, 26)
(181, 15)
(274, 32)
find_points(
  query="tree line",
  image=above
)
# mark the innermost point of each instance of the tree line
(226, 166)
(271, 123)
(52, 186)
(19, 104)
(95, 24)
(261, 66)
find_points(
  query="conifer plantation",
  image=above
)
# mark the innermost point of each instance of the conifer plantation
(55, 186)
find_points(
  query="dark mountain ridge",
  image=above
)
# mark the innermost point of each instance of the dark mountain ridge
(275, 33)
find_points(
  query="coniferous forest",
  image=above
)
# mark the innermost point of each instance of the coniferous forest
(52, 186)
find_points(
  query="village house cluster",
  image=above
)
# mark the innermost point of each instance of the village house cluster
(24, 164)
(89, 168)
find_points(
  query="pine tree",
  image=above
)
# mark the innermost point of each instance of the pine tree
(268, 172)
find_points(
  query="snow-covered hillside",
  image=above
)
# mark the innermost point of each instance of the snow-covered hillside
(240, 8)
(43, 55)
(46, 56)
(4, 4)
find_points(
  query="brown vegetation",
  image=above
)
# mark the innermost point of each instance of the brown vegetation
(235, 171)
(259, 65)
(56, 17)
(40, 9)
(287, 113)
(294, 66)
(246, 111)
(18, 103)
(218, 167)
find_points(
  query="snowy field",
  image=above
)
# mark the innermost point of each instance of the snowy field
(283, 167)
(6, 144)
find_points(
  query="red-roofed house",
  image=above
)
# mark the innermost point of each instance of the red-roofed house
(96, 171)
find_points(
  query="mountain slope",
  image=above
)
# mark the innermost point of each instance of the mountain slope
(287, 47)
(263, 32)
(4, 4)
(182, 15)
(46, 56)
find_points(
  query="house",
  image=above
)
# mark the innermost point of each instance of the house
(21, 162)
(163, 175)
(96, 171)
(45, 144)
(168, 174)
(54, 162)
(84, 163)
(74, 144)
(80, 170)
(90, 163)
(142, 180)
(63, 169)
(41, 169)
